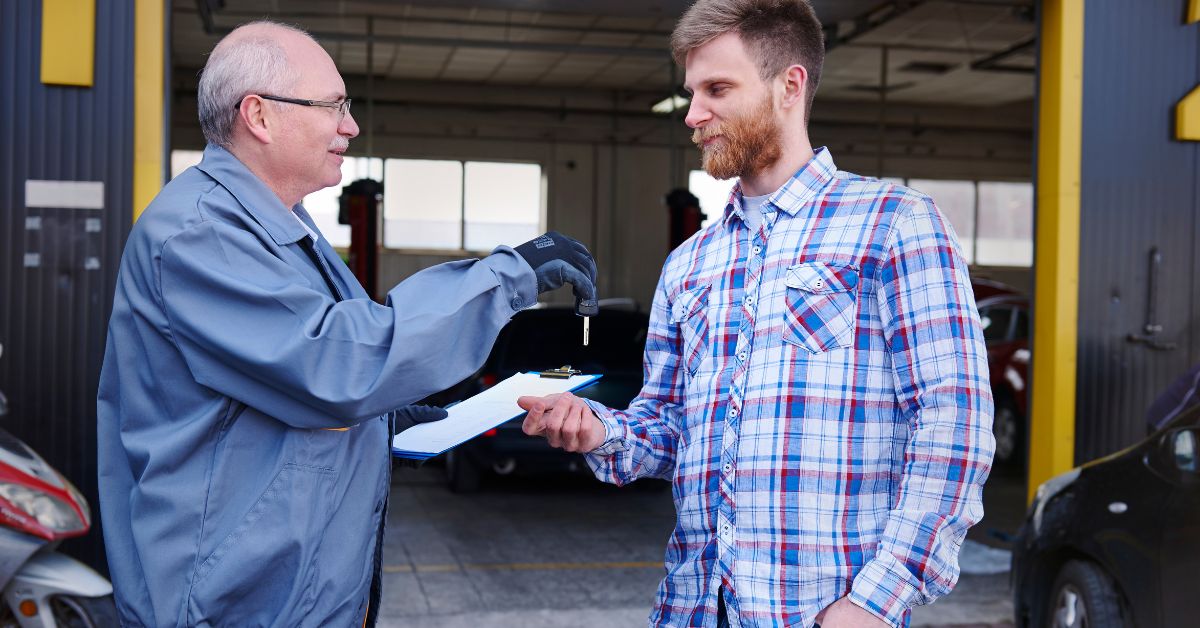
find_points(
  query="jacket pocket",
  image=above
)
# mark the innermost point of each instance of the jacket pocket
(821, 306)
(264, 569)
(688, 312)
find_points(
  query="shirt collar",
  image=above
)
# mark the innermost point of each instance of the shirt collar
(254, 195)
(796, 192)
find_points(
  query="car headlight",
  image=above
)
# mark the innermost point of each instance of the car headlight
(1047, 491)
(49, 511)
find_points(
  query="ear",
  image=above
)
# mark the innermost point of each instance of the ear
(256, 118)
(795, 87)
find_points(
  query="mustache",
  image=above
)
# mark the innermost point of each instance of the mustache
(699, 136)
(341, 144)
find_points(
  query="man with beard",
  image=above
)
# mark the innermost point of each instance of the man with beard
(250, 386)
(816, 378)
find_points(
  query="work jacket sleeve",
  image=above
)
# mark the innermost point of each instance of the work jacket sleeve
(251, 326)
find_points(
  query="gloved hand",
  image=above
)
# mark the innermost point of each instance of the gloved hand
(556, 260)
(409, 416)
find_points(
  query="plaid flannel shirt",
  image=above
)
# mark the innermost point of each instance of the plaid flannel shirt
(818, 393)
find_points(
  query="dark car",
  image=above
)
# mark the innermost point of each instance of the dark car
(540, 339)
(1116, 542)
(1004, 313)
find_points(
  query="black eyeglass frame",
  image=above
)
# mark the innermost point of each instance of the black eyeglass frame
(343, 106)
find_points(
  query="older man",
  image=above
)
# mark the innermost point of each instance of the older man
(249, 385)
(816, 375)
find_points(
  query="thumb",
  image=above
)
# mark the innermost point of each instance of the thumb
(529, 402)
(427, 414)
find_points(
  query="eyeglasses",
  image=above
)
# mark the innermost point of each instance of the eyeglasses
(342, 106)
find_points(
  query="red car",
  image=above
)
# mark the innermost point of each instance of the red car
(1004, 313)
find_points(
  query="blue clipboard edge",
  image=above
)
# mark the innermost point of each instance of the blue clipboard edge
(421, 455)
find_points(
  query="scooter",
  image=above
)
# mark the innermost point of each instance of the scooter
(39, 587)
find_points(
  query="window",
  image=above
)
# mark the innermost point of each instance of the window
(956, 199)
(323, 205)
(183, 159)
(1005, 224)
(996, 321)
(713, 194)
(503, 204)
(475, 205)
(422, 204)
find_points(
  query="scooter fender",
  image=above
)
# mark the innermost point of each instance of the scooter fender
(51, 573)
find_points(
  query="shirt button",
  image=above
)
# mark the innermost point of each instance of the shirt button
(757, 250)
(819, 284)
(733, 413)
(742, 356)
(749, 300)
(728, 467)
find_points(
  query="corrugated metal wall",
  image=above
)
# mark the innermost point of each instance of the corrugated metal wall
(53, 315)
(1139, 193)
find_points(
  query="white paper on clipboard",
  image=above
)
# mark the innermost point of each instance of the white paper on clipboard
(480, 413)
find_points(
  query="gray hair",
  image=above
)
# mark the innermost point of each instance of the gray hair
(241, 65)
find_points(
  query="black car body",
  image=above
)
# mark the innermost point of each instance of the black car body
(1116, 542)
(540, 339)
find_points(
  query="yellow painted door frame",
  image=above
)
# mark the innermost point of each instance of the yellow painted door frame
(149, 108)
(1056, 276)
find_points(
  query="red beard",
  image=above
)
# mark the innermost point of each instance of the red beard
(749, 144)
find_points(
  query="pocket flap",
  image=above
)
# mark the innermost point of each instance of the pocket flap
(819, 277)
(688, 303)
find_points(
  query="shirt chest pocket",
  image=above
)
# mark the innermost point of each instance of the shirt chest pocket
(821, 306)
(688, 312)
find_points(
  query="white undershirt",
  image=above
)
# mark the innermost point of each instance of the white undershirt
(752, 210)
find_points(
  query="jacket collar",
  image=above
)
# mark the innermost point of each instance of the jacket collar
(794, 194)
(254, 195)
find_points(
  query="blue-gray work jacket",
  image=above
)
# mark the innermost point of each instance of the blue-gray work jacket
(242, 410)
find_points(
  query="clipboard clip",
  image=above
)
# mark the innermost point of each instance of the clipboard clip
(562, 372)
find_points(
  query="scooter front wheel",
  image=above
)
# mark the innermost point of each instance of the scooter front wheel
(70, 611)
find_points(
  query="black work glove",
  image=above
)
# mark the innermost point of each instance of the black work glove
(557, 260)
(409, 416)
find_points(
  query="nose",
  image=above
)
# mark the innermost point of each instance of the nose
(698, 114)
(348, 126)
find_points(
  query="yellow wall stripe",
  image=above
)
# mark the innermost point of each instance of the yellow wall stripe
(1187, 112)
(1056, 278)
(68, 42)
(148, 106)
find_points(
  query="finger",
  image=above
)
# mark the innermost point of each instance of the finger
(573, 428)
(529, 402)
(588, 262)
(428, 414)
(553, 421)
(580, 284)
(536, 406)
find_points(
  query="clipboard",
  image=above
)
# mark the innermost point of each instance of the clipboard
(484, 411)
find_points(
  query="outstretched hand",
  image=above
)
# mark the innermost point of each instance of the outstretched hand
(564, 420)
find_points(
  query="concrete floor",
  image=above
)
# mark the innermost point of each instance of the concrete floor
(568, 551)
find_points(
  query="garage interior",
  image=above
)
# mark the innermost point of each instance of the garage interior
(938, 94)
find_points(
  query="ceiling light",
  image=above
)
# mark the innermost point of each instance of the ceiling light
(669, 104)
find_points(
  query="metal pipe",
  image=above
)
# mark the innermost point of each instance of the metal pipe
(370, 87)
(883, 89)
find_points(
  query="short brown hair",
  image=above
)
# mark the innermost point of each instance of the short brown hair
(777, 34)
